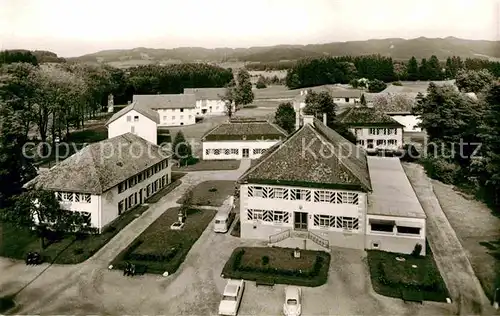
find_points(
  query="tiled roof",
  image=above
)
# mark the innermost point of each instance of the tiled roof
(136, 106)
(366, 116)
(206, 93)
(100, 166)
(392, 103)
(166, 101)
(392, 193)
(298, 161)
(245, 129)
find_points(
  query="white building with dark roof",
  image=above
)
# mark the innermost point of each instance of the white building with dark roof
(108, 178)
(173, 109)
(241, 139)
(208, 100)
(136, 119)
(328, 192)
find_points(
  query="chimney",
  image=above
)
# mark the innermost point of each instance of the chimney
(297, 119)
(308, 119)
(324, 119)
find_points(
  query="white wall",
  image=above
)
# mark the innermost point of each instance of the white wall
(143, 127)
(394, 241)
(111, 198)
(94, 208)
(409, 121)
(346, 100)
(251, 145)
(252, 229)
(363, 134)
(174, 117)
(211, 107)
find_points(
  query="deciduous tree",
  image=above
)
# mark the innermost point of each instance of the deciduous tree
(474, 80)
(285, 117)
(182, 149)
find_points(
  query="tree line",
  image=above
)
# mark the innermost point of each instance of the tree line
(331, 70)
(463, 133)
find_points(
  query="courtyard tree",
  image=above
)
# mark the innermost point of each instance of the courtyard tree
(182, 149)
(243, 94)
(363, 100)
(285, 117)
(40, 209)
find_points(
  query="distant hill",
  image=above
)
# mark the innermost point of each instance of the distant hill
(396, 48)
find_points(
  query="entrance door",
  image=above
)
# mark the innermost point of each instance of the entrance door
(300, 221)
(246, 152)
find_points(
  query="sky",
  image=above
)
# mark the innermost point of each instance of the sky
(76, 27)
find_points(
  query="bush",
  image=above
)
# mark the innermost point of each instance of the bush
(78, 251)
(397, 83)
(6, 303)
(417, 250)
(440, 169)
(265, 260)
(260, 85)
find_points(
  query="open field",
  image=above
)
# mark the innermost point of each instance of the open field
(275, 92)
(478, 230)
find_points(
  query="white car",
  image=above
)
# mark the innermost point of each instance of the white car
(292, 306)
(231, 299)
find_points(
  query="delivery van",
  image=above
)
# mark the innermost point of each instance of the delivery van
(225, 216)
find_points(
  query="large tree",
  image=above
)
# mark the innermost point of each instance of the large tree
(40, 209)
(285, 117)
(182, 149)
(474, 80)
(319, 103)
(243, 93)
(412, 69)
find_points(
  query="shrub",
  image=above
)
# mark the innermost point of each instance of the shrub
(6, 303)
(237, 259)
(417, 250)
(78, 251)
(212, 190)
(397, 83)
(265, 260)
(440, 169)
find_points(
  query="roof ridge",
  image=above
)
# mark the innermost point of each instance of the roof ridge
(277, 145)
(278, 128)
(341, 160)
(211, 130)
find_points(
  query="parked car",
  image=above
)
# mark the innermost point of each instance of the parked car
(225, 216)
(231, 299)
(292, 305)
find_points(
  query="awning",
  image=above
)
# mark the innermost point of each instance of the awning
(381, 221)
(409, 224)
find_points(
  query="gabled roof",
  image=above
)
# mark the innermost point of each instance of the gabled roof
(313, 156)
(166, 101)
(346, 93)
(206, 93)
(100, 166)
(395, 103)
(366, 116)
(136, 106)
(245, 129)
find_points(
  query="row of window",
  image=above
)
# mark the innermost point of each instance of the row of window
(129, 118)
(73, 197)
(379, 142)
(181, 117)
(389, 228)
(329, 221)
(325, 196)
(277, 217)
(382, 131)
(132, 181)
(135, 198)
(231, 151)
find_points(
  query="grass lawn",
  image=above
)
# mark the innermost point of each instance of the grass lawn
(210, 193)
(16, 243)
(278, 265)
(162, 249)
(91, 134)
(210, 165)
(275, 92)
(391, 277)
(176, 181)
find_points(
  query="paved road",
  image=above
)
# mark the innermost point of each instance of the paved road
(449, 254)
(195, 289)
